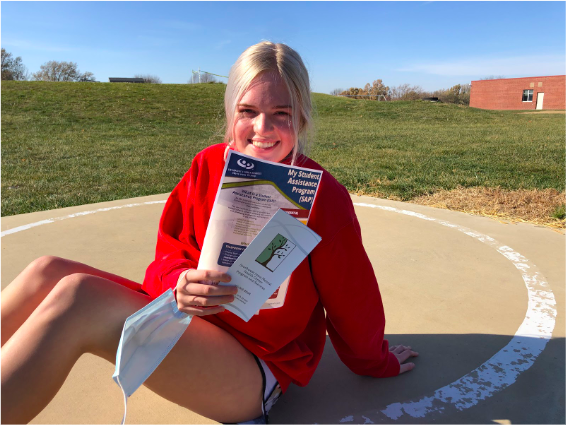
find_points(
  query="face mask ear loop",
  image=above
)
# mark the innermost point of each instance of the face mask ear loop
(125, 401)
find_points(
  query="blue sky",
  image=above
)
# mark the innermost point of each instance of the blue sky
(344, 44)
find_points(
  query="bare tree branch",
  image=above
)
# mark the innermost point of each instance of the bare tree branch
(149, 78)
(205, 78)
(61, 71)
(405, 92)
(13, 68)
(492, 77)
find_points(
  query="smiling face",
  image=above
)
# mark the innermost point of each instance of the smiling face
(263, 122)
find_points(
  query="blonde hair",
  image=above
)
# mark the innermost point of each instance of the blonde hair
(284, 61)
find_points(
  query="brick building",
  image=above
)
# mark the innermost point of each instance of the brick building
(519, 93)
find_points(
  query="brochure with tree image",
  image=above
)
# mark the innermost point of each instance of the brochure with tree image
(270, 258)
(275, 252)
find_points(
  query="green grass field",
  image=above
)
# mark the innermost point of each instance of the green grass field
(66, 144)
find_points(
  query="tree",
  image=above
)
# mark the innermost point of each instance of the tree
(149, 78)
(493, 77)
(62, 71)
(13, 68)
(354, 92)
(274, 252)
(405, 92)
(378, 90)
(336, 92)
(87, 77)
(205, 78)
(458, 94)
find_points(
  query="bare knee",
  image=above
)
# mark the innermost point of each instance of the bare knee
(51, 266)
(35, 282)
(66, 296)
(93, 309)
(64, 312)
(46, 271)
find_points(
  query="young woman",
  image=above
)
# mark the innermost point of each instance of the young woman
(222, 367)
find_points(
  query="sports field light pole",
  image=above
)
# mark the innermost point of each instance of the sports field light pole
(206, 72)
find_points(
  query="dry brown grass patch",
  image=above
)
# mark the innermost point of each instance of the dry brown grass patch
(544, 112)
(534, 206)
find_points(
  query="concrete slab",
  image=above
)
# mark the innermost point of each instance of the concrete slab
(482, 301)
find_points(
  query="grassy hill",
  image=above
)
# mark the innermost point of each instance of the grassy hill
(67, 144)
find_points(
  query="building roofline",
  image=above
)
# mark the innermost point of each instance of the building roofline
(521, 78)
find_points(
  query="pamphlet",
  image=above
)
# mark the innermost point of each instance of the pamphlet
(250, 192)
(272, 256)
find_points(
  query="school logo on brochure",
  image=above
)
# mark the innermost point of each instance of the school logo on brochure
(245, 164)
(275, 252)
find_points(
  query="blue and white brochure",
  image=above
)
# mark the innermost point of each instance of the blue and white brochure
(250, 192)
(270, 258)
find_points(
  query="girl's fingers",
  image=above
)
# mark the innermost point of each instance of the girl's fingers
(198, 294)
(403, 353)
(190, 300)
(196, 289)
(406, 367)
(201, 311)
(200, 305)
(397, 349)
(196, 275)
(403, 356)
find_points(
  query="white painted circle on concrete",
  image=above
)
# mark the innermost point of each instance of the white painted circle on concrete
(85, 213)
(496, 374)
(504, 367)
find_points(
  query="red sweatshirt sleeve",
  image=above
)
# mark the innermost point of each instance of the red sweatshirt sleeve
(355, 315)
(176, 248)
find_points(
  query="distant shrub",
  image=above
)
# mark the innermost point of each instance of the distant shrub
(148, 78)
(405, 92)
(459, 94)
(559, 212)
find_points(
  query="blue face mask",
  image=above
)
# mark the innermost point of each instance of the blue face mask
(147, 337)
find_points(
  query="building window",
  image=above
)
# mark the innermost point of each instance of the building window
(528, 95)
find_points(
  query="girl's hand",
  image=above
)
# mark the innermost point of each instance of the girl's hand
(198, 292)
(402, 353)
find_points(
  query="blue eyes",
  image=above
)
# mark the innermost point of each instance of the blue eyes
(249, 112)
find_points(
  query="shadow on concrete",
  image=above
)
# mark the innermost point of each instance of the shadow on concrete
(336, 395)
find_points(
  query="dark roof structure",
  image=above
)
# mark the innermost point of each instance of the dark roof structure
(125, 80)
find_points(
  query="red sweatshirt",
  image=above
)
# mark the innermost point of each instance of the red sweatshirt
(336, 279)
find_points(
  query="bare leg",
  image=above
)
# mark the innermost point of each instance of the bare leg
(33, 284)
(208, 371)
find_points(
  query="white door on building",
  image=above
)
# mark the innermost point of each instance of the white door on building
(539, 101)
